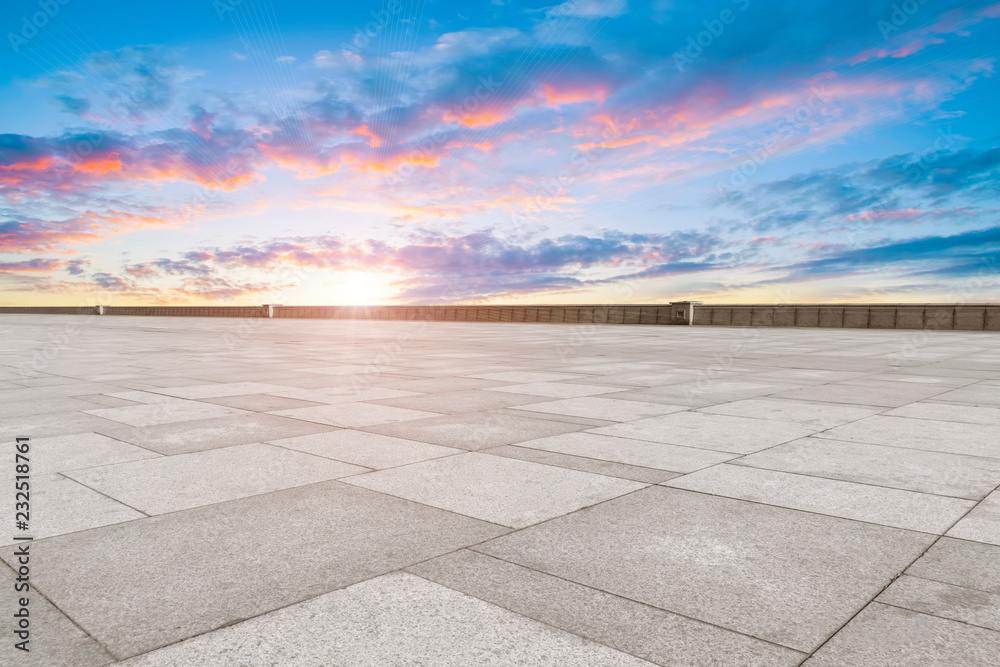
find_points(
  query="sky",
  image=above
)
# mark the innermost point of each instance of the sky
(494, 151)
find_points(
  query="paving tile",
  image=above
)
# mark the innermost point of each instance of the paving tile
(172, 483)
(861, 502)
(436, 385)
(951, 412)
(457, 402)
(505, 491)
(370, 450)
(602, 408)
(583, 464)
(203, 434)
(962, 563)
(820, 415)
(557, 389)
(60, 505)
(524, 377)
(983, 395)
(164, 413)
(740, 435)
(419, 623)
(54, 639)
(476, 430)
(916, 470)
(888, 396)
(706, 391)
(60, 404)
(261, 402)
(105, 400)
(185, 573)
(982, 524)
(887, 636)
(927, 434)
(354, 415)
(81, 450)
(221, 389)
(631, 452)
(777, 574)
(968, 605)
(51, 424)
(649, 633)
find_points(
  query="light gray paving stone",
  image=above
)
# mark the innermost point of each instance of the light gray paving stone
(557, 389)
(457, 402)
(261, 402)
(419, 623)
(886, 636)
(983, 395)
(740, 435)
(820, 415)
(982, 524)
(705, 391)
(889, 396)
(51, 424)
(221, 389)
(476, 430)
(968, 605)
(781, 575)
(524, 377)
(53, 640)
(81, 450)
(861, 502)
(501, 490)
(551, 416)
(26, 409)
(915, 470)
(164, 413)
(437, 384)
(583, 464)
(185, 573)
(359, 391)
(362, 448)
(172, 483)
(59, 505)
(354, 415)
(951, 412)
(204, 434)
(962, 563)
(630, 452)
(602, 408)
(105, 400)
(649, 633)
(927, 434)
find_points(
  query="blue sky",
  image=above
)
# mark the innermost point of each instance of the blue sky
(415, 151)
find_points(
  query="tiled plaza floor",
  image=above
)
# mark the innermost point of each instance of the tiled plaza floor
(321, 492)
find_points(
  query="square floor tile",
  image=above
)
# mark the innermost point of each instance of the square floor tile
(506, 491)
(916, 470)
(885, 636)
(395, 619)
(820, 415)
(456, 402)
(557, 389)
(261, 402)
(631, 452)
(962, 563)
(950, 412)
(172, 483)
(926, 434)
(861, 502)
(81, 450)
(203, 434)
(649, 633)
(476, 430)
(740, 435)
(781, 575)
(983, 523)
(354, 415)
(223, 389)
(164, 413)
(186, 573)
(974, 607)
(60, 505)
(607, 409)
(362, 448)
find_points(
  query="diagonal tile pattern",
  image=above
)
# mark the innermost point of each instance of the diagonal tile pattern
(346, 493)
